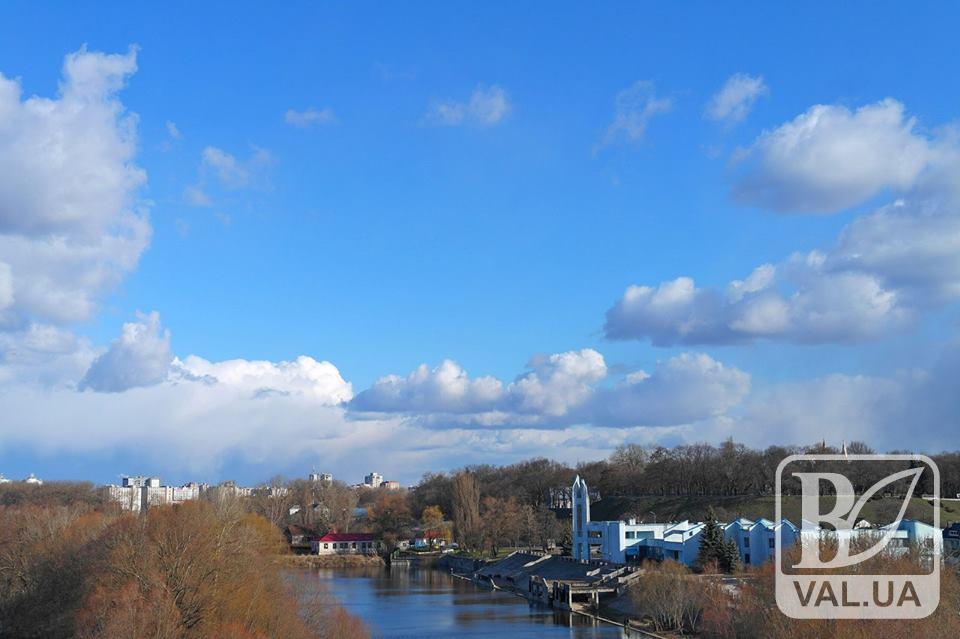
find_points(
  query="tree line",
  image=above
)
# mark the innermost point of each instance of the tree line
(201, 569)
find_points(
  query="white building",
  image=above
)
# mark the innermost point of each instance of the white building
(3, 480)
(326, 478)
(756, 540)
(138, 493)
(628, 541)
(373, 480)
(33, 479)
(346, 544)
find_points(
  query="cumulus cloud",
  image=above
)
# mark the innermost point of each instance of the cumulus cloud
(684, 389)
(831, 158)
(310, 117)
(736, 98)
(912, 246)
(819, 305)
(487, 106)
(446, 394)
(71, 222)
(446, 388)
(140, 356)
(44, 355)
(634, 107)
(557, 383)
(304, 376)
(557, 392)
(912, 409)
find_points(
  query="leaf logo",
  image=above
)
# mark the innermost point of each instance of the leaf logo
(844, 516)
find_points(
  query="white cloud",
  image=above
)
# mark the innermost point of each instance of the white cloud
(71, 223)
(224, 166)
(319, 381)
(557, 392)
(221, 174)
(913, 247)
(821, 306)
(446, 394)
(914, 409)
(6, 288)
(634, 107)
(140, 356)
(487, 106)
(173, 131)
(736, 98)
(886, 267)
(310, 117)
(557, 383)
(446, 388)
(684, 389)
(831, 158)
(45, 355)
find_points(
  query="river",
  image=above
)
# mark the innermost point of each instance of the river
(410, 602)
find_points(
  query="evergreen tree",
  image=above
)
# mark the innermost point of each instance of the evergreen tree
(711, 542)
(729, 557)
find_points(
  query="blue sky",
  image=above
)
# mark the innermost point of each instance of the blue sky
(463, 191)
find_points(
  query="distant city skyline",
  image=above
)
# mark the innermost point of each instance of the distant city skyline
(412, 238)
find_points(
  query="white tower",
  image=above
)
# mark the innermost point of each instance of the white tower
(581, 517)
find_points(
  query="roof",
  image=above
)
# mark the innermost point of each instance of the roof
(348, 537)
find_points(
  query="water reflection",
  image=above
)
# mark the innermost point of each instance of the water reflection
(409, 602)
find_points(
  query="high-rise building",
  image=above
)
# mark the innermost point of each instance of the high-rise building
(373, 480)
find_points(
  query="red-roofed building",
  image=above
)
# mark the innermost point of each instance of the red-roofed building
(346, 544)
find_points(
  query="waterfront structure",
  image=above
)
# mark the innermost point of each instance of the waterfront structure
(373, 480)
(345, 544)
(630, 542)
(624, 542)
(560, 582)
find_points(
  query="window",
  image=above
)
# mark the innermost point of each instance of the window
(326, 546)
(354, 545)
(746, 558)
(631, 534)
(343, 545)
(595, 533)
(746, 542)
(772, 542)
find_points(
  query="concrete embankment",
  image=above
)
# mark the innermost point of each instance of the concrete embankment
(330, 561)
(460, 565)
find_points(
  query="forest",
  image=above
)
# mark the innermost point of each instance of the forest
(73, 567)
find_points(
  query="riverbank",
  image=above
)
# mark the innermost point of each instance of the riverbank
(330, 561)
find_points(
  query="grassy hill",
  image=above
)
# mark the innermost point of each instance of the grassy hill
(729, 508)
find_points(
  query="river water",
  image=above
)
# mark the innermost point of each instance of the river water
(411, 602)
